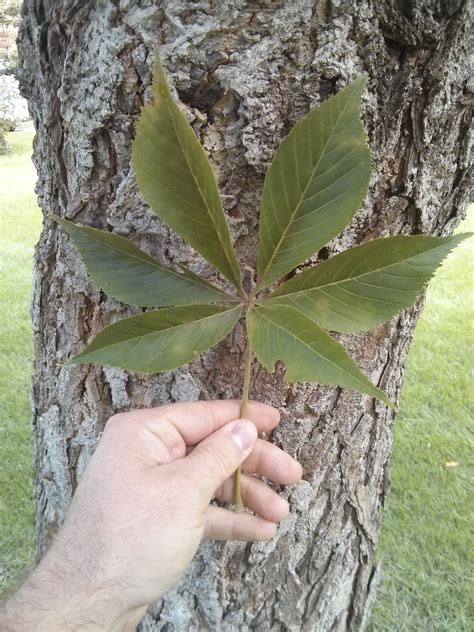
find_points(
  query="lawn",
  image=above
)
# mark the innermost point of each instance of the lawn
(20, 224)
(426, 539)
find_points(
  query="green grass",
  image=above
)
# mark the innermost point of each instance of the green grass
(20, 223)
(427, 543)
(426, 534)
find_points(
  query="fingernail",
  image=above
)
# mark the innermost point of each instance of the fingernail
(243, 434)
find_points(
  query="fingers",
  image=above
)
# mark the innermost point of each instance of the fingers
(213, 460)
(257, 496)
(270, 461)
(222, 524)
(197, 420)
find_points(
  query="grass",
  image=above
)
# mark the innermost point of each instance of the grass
(427, 542)
(426, 535)
(20, 223)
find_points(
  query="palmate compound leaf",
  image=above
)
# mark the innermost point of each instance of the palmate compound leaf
(315, 184)
(160, 340)
(123, 271)
(176, 179)
(280, 332)
(366, 285)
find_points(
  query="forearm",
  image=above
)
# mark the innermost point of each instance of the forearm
(53, 599)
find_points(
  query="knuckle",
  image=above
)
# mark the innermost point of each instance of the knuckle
(215, 458)
(116, 425)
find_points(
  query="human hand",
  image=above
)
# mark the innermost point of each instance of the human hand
(142, 507)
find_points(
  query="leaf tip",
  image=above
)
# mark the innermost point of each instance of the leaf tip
(382, 396)
(388, 402)
(359, 84)
(160, 85)
(460, 237)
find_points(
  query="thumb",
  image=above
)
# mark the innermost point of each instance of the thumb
(217, 457)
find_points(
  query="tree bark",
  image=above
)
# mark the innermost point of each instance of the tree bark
(245, 72)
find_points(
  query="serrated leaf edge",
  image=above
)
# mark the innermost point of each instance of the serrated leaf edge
(276, 293)
(188, 274)
(261, 285)
(271, 368)
(160, 89)
(76, 358)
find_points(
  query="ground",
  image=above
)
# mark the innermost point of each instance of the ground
(20, 222)
(426, 541)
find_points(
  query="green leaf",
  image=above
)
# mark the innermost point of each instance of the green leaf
(161, 340)
(176, 179)
(315, 184)
(279, 332)
(122, 270)
(366, 285)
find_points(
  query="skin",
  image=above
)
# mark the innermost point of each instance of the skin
(143, 506)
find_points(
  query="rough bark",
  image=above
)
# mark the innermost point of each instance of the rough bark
(245, 72)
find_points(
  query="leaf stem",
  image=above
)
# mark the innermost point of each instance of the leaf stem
(238, 502)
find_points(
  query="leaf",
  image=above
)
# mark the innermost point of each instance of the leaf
(176, 179)
(122, 270)
(280, 332)
(161, 340)
(364, 286)
(315, 184)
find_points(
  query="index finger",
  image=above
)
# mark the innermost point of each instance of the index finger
(196, 420)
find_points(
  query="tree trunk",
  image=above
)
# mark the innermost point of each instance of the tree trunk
(245, 72)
